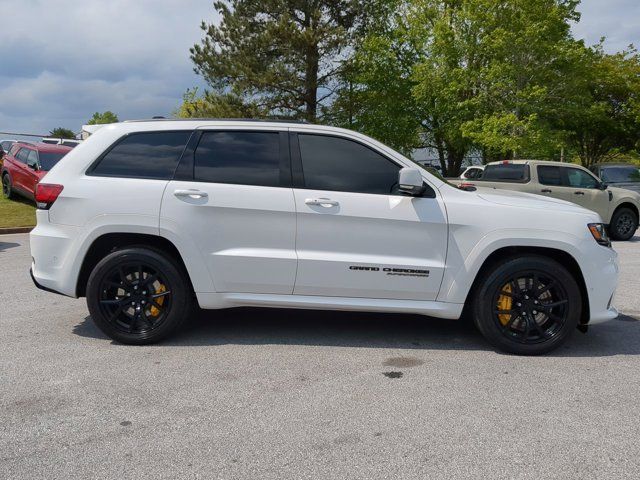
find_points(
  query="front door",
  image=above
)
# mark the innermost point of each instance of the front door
(574, 185)
(238, 209)
(357, 236)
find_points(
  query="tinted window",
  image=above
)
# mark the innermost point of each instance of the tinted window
(580, 179)
(508, 172)
(48, 160)
(621, 174)
(22, 155)
(32, 158)
(144, 155)
(246, 158)
(331, 163)
(548, 175)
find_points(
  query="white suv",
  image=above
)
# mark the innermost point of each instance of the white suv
(147, 219)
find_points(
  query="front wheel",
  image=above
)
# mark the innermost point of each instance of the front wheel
(138, 296)
(624, 224)
(527, 305)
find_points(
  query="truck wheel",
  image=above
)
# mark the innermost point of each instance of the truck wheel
(138, 296)
(624, 224)
(527, 305)
(7, 190)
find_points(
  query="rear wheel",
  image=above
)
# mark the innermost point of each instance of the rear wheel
(138, 296)
(624, 224)
(527, 305)
(7, 189)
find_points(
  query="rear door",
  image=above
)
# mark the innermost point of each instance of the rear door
(31, 177)
(232, 198)
(357, 236)
(20, 174)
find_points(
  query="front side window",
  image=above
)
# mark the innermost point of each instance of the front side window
(338, 164)
(549, 175)
(580, 179)
(32, 158)
(244, 158)
(151, 155)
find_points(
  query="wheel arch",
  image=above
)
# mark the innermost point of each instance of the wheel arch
(563, 258)
(109, 242)
(629, 205)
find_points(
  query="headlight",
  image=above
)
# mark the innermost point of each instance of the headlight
(600, 234)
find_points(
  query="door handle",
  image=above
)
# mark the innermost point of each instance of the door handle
(546, 190)
(578, 193)
(323, 202)
(190, 193)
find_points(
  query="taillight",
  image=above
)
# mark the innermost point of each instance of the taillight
(46, 194)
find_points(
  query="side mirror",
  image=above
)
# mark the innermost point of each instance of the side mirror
(603, 186)
(32, 165)
(410, 182)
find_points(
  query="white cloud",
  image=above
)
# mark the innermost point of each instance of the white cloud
(617, 20)
(61, 60)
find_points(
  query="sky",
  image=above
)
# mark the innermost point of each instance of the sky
(62, 60)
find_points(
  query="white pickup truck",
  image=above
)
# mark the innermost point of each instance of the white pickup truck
(618, 207)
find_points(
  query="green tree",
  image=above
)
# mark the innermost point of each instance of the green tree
(102, 118)
(278, 57)
(463, 75)
(214, 105)
(61, 132)
(603, 118)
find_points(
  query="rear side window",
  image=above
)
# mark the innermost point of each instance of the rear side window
(244, 158)
(548, 175)
(338, 164)
(507, 172)
(152, 155)
(49, 159)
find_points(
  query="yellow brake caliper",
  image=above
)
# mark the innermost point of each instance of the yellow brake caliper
(504, 303)
(160, 300)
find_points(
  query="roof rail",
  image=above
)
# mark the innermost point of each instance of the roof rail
(271, 120)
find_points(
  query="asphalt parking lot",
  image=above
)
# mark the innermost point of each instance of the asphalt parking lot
(279, 394)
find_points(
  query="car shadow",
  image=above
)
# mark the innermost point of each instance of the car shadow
(7, 245)
(254, 326)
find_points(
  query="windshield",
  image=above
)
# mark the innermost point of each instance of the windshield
(619, 174)
(48, 160)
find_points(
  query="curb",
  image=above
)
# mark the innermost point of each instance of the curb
(7, 231)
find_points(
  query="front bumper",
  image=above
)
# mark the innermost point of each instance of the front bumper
(42, 287)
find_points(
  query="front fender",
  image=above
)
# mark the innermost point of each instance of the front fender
(464, 262)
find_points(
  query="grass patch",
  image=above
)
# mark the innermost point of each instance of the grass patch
(18, 212)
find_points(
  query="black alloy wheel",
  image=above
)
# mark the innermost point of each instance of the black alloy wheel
(530, 308)
(527, 305)
(138, 295)
(623, 224)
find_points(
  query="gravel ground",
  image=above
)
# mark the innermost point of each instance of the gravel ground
(278, 394)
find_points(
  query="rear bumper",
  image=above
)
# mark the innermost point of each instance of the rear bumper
(42, 287)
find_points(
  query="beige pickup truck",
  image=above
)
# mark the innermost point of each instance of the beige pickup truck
(619, 208)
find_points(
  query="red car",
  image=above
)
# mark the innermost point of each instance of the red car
(26, 164)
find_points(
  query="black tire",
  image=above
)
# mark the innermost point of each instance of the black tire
(624, 224)
(7, 188)
(138, 296)
(543, 306)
